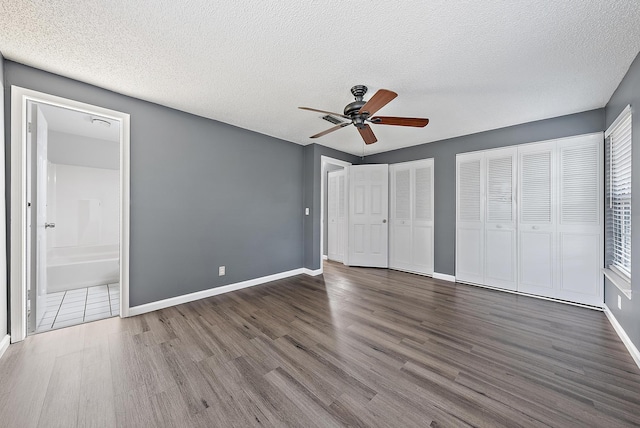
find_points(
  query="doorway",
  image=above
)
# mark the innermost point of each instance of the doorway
(69, 213)
(339, 245)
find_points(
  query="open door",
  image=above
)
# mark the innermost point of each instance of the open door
(336, 215)
(368, 214)
(37, 197)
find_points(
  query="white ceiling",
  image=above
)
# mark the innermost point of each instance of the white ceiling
(467, 65)
(77, 123)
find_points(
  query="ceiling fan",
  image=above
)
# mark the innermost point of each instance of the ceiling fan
(359, 112)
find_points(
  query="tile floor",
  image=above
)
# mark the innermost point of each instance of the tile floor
(73, 307)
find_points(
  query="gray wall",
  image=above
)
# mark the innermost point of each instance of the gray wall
(444, 154)
(628, 92)
(312, 174)
(203, 194)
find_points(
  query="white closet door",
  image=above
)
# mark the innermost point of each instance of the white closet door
(580, 220)
(470, 217)
(422, 196)
(368, 213)
(342, 215)
(400, 233)
(536, 225)
(335, 218)
(500, 219)
(411, 216)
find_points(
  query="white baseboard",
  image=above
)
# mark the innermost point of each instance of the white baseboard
(312, 272)
(635, 354)
(444, 277)
(178, 300)
(4, 344)
(325, 257)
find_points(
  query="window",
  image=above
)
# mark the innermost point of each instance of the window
(618, 196)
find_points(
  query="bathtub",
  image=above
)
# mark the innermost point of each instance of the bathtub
(77, 267)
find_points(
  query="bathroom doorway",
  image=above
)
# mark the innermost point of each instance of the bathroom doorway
(69, 194)
(73, 163)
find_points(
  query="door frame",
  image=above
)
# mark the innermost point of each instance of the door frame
(324, 160)
(18, 199)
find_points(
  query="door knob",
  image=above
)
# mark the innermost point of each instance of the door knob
(49, 225)
(384, 220)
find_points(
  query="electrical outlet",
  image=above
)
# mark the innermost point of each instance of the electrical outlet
(619, 302)
(306, 211)
(221, 271)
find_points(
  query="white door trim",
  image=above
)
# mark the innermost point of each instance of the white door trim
(324, 160)
(18, 259)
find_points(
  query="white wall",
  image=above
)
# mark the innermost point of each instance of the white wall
(3, 237)
(78, 150)
(83, 202)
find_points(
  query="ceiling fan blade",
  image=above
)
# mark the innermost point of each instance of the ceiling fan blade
(377, 101)
(325, 112)
(367, 134)
(400, 121)
(335, 128)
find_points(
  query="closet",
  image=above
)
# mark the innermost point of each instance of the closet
(529, 218)
(411, 216)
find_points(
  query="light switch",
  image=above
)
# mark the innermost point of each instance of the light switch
(306, 211)
(619, 302)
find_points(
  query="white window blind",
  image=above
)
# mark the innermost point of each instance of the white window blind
(618, 197)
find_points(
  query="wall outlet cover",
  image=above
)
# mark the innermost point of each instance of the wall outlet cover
(619, 302)
(221, 271)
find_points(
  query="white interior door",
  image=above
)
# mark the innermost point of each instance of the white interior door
(500, 219)
(37, 195)
(580, 244)
(368, 211)
(336, 215)
(411, 216)
(536, 219)
(470, 217)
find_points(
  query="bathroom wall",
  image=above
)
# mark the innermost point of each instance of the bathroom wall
(83, 202)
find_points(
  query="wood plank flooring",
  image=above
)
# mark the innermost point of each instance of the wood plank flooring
(354, 347)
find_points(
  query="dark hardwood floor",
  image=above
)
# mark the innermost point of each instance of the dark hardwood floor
(354, 347)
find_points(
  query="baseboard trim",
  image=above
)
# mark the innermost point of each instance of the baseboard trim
(597, 307)
(325, 257)
(444, 277)
(178, 300)
(312, 272)
(4, 344)
(635, 354)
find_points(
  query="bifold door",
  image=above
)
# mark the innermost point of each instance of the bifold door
(546, 241)
(411, 216)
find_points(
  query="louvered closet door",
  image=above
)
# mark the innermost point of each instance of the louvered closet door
(470, 217)
(411, 216)
(423, 217)
(400, 233)
(536, 219)
(579, 237)
(500, 219)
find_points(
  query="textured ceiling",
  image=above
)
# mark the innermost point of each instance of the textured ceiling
(467, 65)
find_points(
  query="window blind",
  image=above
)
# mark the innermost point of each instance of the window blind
(618, 197)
